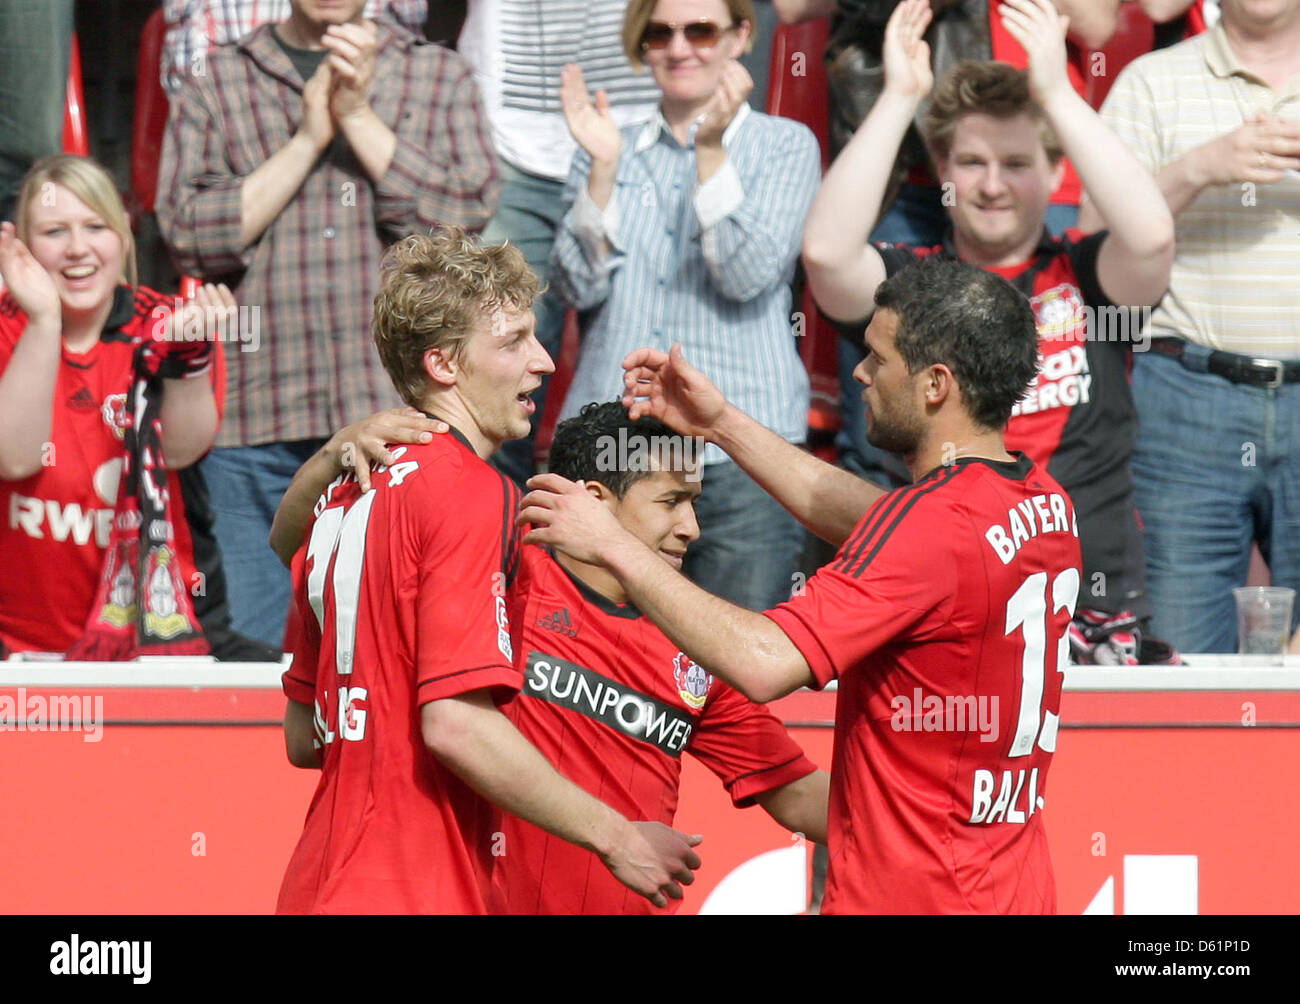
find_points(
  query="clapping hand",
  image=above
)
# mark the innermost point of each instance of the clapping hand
(317, 121)
(590, 122)
(352, 66)
(732, 92)
(906, 53)
(1258, 151)
(26, 279)
(1040, 30)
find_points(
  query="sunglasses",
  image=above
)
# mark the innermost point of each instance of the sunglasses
(700, 34)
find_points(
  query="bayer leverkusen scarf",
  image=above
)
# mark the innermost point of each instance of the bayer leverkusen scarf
(142, 606)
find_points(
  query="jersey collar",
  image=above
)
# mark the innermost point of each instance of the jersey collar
(598, 600)
(1046, 246)
(452, 431)
(1015, 470)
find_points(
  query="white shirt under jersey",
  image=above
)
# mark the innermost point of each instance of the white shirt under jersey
(518, 49)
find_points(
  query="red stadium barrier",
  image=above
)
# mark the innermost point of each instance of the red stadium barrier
(1169, 790)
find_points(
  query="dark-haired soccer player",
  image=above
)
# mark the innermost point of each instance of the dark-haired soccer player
(997, 136)
(405, 646)
(943, 615)
(611, 701)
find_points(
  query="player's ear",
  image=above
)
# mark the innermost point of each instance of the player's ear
(601, 493)
(442, 367)
(938, 384)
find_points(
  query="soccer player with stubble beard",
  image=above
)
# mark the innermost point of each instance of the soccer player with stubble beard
(945, 608)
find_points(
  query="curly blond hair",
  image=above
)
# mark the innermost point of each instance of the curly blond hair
(434, 293)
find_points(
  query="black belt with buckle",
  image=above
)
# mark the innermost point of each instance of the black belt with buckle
(1268, 373)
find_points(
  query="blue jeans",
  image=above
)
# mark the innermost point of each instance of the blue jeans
(749, 546)
(246, 484)
(35, 40)
(918, 219)
(528, 215)
(1217, 466)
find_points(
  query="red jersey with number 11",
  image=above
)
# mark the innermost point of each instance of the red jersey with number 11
(401, 593)
(943, 617)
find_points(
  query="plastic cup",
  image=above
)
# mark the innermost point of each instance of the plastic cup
(1263, 619)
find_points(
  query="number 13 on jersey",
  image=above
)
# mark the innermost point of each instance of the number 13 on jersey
(1033, 610)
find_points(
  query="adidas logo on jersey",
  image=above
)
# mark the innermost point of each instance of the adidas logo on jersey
(558, 621)
(83, 399)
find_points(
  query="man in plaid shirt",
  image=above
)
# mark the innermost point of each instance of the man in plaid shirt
(290, 164)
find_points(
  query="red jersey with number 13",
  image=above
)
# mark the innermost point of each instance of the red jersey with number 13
(943, 617)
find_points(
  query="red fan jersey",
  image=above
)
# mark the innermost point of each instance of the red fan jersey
(401, 594)
(613, 704)
(943, 617)
(57, 522)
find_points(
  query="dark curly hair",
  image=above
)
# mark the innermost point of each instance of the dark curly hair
(596, 443)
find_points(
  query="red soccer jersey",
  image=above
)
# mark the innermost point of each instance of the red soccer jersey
(943, 617)
(401, 594)
(613, 704)
(59, 520)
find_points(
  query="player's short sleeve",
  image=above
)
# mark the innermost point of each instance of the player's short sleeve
(465, 560)
(301, 640)
(884, 581)
(747, 747)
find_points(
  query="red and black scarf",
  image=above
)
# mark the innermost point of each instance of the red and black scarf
(142, 606)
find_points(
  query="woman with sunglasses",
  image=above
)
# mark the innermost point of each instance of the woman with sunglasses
(686, 229)
(105, 395)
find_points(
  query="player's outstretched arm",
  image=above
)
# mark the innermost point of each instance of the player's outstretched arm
(471, 736)
(1135, 259)
(827, 500)
(354, 448)
(744, 648)
(300, 736)
(801, 806)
